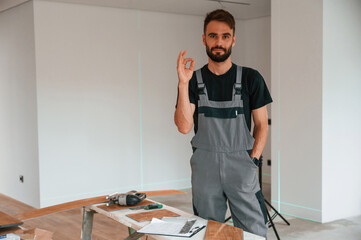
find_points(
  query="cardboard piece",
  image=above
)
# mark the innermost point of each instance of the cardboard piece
(35, 234)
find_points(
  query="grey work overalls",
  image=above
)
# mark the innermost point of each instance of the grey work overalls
(221, 166)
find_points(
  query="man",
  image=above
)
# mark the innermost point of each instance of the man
(219, 100)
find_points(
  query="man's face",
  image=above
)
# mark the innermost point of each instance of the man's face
(219, 40)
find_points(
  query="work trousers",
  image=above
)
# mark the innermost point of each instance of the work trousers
(221, 176)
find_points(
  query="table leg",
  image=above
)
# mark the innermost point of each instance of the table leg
(87, 227)
(131, 230)
(133, 235)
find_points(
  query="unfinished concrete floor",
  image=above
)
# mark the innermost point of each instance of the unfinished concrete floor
(345, 229)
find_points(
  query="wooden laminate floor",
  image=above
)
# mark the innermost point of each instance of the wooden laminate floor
(67, 224)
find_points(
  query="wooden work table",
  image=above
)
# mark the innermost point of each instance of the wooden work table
(120, 216)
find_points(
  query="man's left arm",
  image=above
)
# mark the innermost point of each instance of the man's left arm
(260, 131)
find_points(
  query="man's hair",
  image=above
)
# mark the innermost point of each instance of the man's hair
(221, 16)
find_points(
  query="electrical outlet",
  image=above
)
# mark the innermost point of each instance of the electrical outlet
(21, 178)
(269, 162)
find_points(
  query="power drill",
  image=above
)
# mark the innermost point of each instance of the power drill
(130, 198)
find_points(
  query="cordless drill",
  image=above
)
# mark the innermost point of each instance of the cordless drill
(130, 198)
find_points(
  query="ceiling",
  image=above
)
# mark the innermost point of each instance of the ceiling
(241, 9)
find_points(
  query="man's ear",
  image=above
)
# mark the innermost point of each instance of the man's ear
(204, 39)
(234, 40)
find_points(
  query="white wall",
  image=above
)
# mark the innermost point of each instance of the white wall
(256, 42)
(296, 41)
(166, 152)
(239, 49)
(316, 59)
(341, 113)
(18, 122)
(88, 98)
(107, 88)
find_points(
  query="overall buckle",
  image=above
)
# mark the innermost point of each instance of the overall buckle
(238, 87)
(201, 87)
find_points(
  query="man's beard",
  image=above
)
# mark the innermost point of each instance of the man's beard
(218, 57)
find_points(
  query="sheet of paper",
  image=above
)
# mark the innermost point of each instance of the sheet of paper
(170, 227)
(160, 227)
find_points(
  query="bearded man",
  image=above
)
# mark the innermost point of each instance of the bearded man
(219, 100)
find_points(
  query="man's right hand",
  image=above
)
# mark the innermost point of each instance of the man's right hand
(183, 116)
(184, 73)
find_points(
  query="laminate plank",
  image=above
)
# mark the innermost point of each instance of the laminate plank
(8, 221)
(149, 215)
(163, 192)
(59, 208)
(221, 231)
(12, 207)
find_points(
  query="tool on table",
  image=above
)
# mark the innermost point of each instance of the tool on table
(130, 198)
(153, 206)
(148, 207)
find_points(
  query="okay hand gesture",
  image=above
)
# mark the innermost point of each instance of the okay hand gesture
(184, 73)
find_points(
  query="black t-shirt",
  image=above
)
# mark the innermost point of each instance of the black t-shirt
(254, 92)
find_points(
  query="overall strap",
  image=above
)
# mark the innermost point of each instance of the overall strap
(202, 91)
(238, 84)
